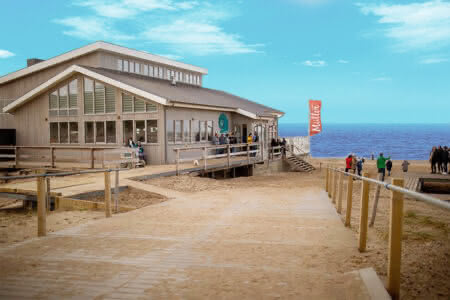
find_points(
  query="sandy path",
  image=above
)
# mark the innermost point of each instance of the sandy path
(242, 243)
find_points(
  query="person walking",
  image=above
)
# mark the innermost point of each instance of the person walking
(348, 163)
(444, 159)
(389, 166)
(359, 165)
(439, 158)
(433, 159)
(405, 165)
(381, 165)
(354, 161)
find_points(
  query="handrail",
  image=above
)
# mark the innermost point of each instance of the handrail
(213, 147)
(61, 174)
(425, 198)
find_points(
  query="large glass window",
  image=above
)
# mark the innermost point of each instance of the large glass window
(73, 98)
(88, 96)
(187, 131)
(54, 135)
(203, 131)
(125, 65)
(145, 70)
(131, 67)
(138, 68)
(178, 131)
(150, 70)
(111, 132)
(140, 131)
(170, 132)
(73, 132)
(63, 99)
(127, 131)
(134, 104)
(99, 98)
(89, 132)
(99, 132)
(64, 133)
(110, 99)
(119, 65)
(127, 103)
(139, 105)
(210, 130)
(152, 131)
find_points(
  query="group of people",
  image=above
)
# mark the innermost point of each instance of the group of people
(352, 162)
(277, 143)
(138, 147)
(439, 159)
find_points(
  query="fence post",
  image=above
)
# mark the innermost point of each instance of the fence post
(341, 191)
(41, 210)
(205, 155)
(177, 160)
(348, 212)
(395, 241)
(248, 155)
(17, 157)
(364, 214)
(116, 192)
(228, 155)
(330, 187)
(108, 194)
(92, 158)
(327, 175)
(52, 154)
(48, 197)
(335, 179)
(375, 203)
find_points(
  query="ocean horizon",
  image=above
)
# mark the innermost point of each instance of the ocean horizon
(399, 141)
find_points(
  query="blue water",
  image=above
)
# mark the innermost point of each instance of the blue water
(400, 141)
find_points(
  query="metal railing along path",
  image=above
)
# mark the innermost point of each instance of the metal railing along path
(334, 186)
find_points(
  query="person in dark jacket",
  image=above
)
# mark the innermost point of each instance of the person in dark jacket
(389, 167)
(444, 159)
(433, 159)
(439, 158)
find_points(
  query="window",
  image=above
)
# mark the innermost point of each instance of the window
(202, 131)
(150, 107)
(73, 98)
(140, 131)
(133, 104)
(53, 104)
(139, 105)
(88, 96)
(187, 131)
(178, 131)
(63, 98)
(137, 68)
(145, 70)
(111, 132)
(151, 71)
(64, 133)
(63, 101)
(89, 132)
(119, 65)
(73, 132)
(127, 131)
(152, 131)
(160, 72)
(170, 133)
(99, 132)
(168, 74)
(210, 131)
(195, 129)
(127, 103)
(131, 67)
(125, 65)
(54, 134)
(110, 99)
(99, 98)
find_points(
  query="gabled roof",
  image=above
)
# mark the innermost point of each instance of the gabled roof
(157, 90)
(94, 47)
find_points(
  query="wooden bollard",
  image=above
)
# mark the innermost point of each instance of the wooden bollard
(341, 191)
(41, 209)
(364, 214)
(330, 183)
(327, 174)
(335, 179)
(348, 212)
(107, 194)
(395, 241)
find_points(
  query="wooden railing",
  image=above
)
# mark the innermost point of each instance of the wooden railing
(335, 187)
(106, 156)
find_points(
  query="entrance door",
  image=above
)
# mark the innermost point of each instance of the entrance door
(244, 133)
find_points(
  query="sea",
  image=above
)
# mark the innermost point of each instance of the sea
(399, 141)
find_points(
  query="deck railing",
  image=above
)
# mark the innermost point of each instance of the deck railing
(335, 187)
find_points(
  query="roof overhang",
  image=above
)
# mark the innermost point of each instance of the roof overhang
(100, 46)
(207, 107)
(70, 72)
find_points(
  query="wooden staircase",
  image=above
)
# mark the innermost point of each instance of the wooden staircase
(412, 183)
(298, 164)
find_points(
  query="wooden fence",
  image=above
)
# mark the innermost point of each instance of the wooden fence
(334, 186)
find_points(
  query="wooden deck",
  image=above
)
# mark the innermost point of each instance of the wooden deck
(415, 181)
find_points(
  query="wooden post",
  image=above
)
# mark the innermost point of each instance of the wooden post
(395, 241)
(335, 179)
(48, 193)
(107, 194)
(348, 212)
(41, 211)
(116, 192)
(52, 158)
(330, 183)
(375, 203)
(364, 214)
(92, 158)
(341, 191)
(205, 155)
(177, 160)
(248, 154)
(17, 157)
(228, 155)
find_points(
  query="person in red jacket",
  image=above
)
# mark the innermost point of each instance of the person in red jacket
(348, 163)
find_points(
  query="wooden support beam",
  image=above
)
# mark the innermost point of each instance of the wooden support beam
(340, 192)
(116, 192)
(348, 212)
(92, 158)
(47, 196)
(41, 210)
(205, 156)
(108, 194)
(177, 161)
(395, 241)
(52, 156)
(330, 183)
(228, 156)
(364, 214)
(335, 179)
(375, 202)
(327, 175)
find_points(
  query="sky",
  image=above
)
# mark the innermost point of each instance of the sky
(368, 61)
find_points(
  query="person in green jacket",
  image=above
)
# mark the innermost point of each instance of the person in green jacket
(381, 165)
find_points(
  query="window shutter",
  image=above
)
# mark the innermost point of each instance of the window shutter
(110, 101)
(73, 94)
(99, 98)
(150, 107)
(63, 100)
(127, 103)
(139, 105)
(88, 96)
(53, 101)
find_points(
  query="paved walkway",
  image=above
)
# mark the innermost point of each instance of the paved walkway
(241, 244)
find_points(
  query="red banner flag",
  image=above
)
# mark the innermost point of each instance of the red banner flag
(315, 123)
